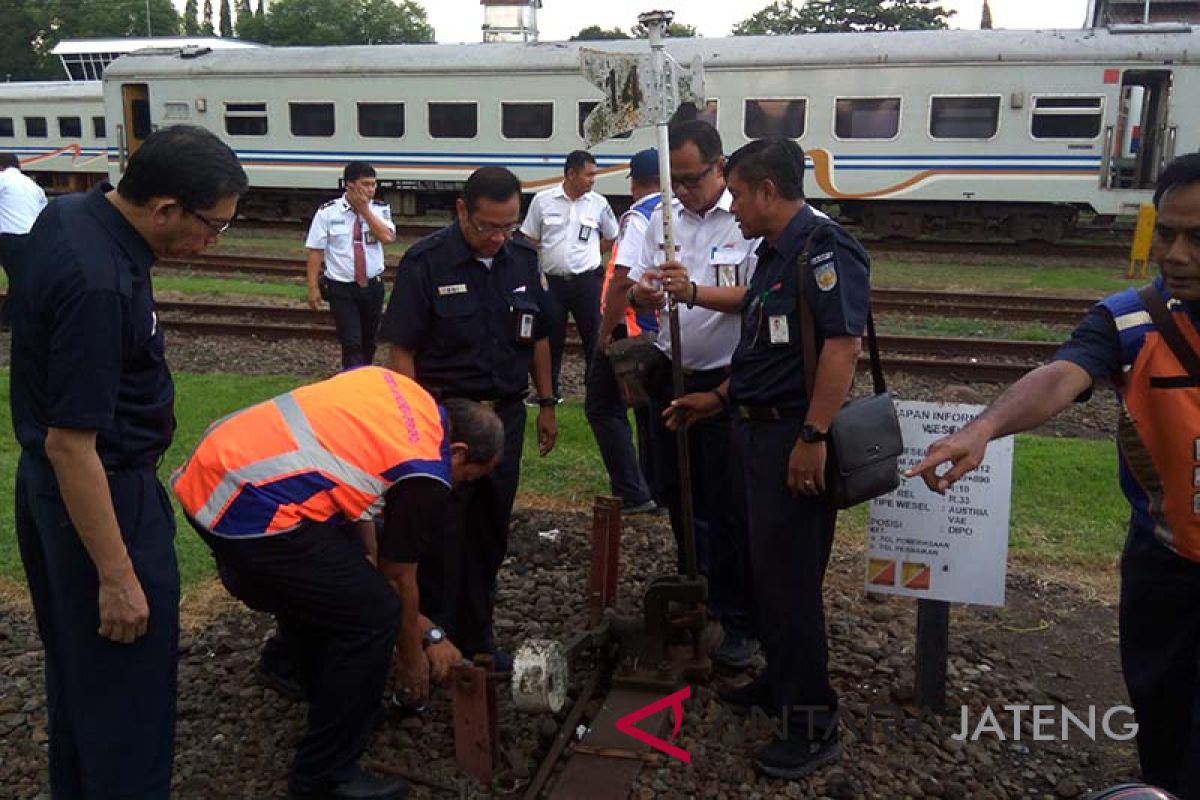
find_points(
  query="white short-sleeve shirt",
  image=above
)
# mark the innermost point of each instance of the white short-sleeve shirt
(332, 230)
(569, 230)
(715, 253)
(21, 200)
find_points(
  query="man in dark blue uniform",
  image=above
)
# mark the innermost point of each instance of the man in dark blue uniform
(92, 407)
(467, 318)
(781, 432)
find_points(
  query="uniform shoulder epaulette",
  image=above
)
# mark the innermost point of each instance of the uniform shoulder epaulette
(328, 203)
(375, 202)
(426, 244)
(522, 242)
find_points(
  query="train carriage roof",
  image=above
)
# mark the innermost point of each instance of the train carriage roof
(51, 90)
(1181, 45)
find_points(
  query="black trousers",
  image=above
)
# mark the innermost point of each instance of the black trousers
(1160, 657)
(339, 619)
(718, 498)
(578, 296)
(790, 542)
(111, 706)
(11, 245)
(356, 314)
(609, 420)
(458, 580)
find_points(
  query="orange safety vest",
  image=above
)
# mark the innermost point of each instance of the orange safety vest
(325, 452)
(631, 323)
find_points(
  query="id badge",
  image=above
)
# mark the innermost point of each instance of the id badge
(585, 233)
(777, 329)
(524, 327)
(726, 274)
(368, 237)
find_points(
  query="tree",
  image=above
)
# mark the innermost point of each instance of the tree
(25, 44)
(821, 16)
(258, 12)
(676, 30)
(206, 26)
(111, 19)
(336, 22)
(594, 33)
(225, 24)
(191, 18)
(985, 20)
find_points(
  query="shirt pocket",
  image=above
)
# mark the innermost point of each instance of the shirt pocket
(525, 313)
(456, 319)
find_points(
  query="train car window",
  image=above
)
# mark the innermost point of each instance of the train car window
(1067, 117)
(964, 117)
(311, 119)
(99, 130)
(246, 119)
(453, 120)
(70, 128)
(867, 117)
(784, 118)
(381, 120)
(585, 108)
(527, 120)
(6, 128)
(35, 127)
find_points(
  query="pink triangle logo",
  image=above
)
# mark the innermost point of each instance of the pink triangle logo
(675, 702)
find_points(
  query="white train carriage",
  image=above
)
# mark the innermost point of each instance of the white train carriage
(983, 132)
(57, 130)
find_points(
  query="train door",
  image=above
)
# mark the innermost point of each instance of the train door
(1143, 140)
(135, 127)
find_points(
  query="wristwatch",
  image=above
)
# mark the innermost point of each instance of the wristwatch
(811, 433)
(547, 402)
(434, 635)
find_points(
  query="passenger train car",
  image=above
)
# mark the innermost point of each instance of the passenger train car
(57, 130)
(979, 132)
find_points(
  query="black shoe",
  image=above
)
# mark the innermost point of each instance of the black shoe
(285, 685)
(736, 651)
(745, 698)
(796, 756)
(362, 785)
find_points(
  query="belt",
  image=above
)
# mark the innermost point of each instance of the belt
(370, 281)
(494, 403)
(770, 413)
(570, 276)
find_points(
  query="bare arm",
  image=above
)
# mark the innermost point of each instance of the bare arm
(365, 529)
(727, 299)
(547, 421)
(614, 304)
(124, 613)
(1029, 402)
(400, 359)
(312, 273)
(834, 375)
(382, 231)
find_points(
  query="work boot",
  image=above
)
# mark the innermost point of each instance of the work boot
(796, 756)
(736, 652)
(284, 684)
(361, 785)
(648, 507)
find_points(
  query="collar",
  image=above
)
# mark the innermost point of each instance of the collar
(794, 236)
(724, 203)
(460, 251)
(121, 230)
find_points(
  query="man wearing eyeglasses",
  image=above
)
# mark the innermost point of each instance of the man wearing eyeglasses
(92, 404)
(568, 222)
(716, 254)
(468, 318)
(348, 234)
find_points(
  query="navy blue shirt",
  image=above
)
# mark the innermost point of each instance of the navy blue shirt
(1095, 346)
(462, 319)
(768, 365)
(87, 351)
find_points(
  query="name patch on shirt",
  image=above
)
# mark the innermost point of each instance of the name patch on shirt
(454, 288)
(821, 259)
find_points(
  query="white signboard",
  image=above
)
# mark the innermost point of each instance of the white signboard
(634, 96)
(952, 547)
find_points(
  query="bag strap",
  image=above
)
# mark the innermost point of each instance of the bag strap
(808, 333)
(1164, 321)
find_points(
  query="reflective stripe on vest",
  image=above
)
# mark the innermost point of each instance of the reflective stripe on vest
(322, 452)
(1158, 431)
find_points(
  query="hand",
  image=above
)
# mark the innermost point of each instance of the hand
(412, 677)
(806, 469)
(442, 656)
(604, 340)
(358, 197)
(675, 281)
(696, 406)
(964, 450)
(646, 292)
(314, 298)
(124, 613)
(547, 429)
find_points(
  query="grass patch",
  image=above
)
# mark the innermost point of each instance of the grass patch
(966, 328)
(1066, 504)
(999, 275)
(230, 287)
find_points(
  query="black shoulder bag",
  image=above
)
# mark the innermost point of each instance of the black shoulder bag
(1168, 329)
(862, 455)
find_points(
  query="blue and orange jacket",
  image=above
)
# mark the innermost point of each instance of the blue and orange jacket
(1158, 432)
(327, 452)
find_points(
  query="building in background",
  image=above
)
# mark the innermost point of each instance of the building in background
(510, 20)
(1118, 12)
(86, 59)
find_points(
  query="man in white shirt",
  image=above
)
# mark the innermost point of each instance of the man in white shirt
(568, 223)
(348, 234)
(21, 200)
(710, 245)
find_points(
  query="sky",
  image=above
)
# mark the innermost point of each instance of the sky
(459, 20)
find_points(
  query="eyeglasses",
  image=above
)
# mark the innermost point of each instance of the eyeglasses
(215, 227)
(692, 181)
(494, 230)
